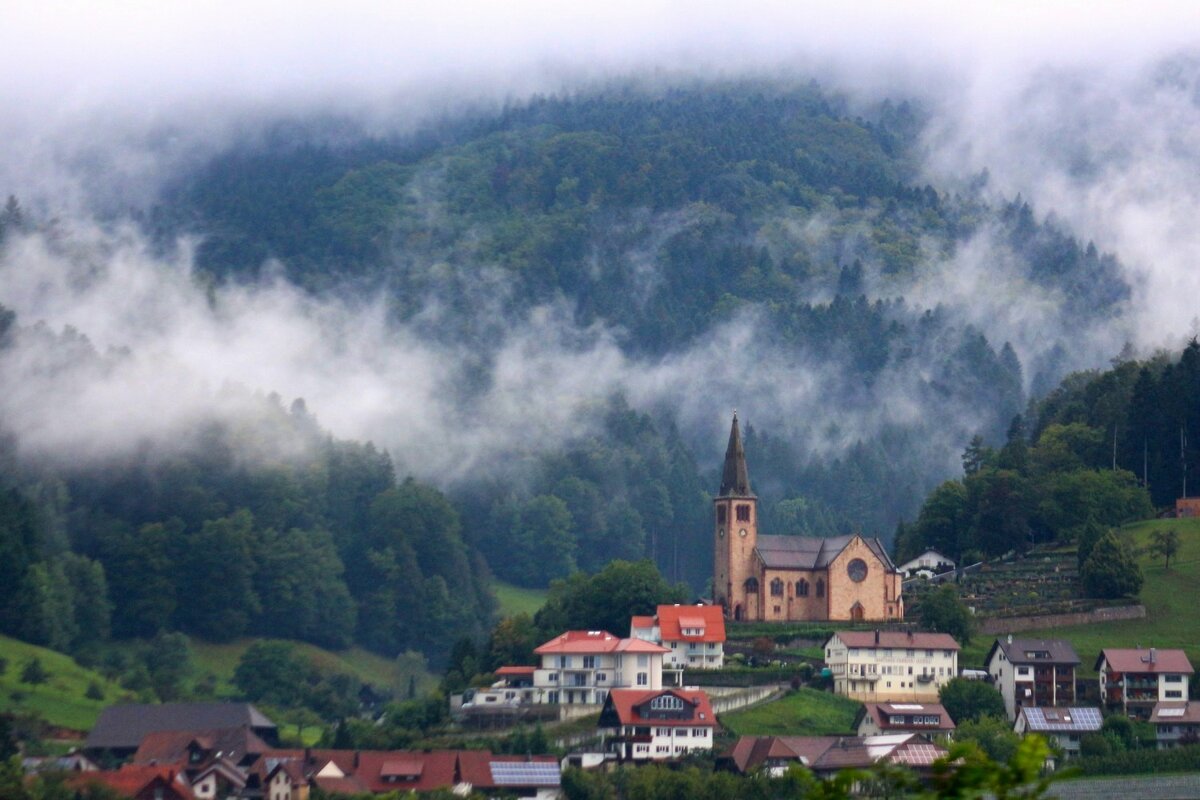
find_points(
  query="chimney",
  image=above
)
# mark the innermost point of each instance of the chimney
(1010, 638)
(1153, 655)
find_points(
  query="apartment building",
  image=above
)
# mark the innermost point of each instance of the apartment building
(1032, 673)
(878, 666)
(694, 635)
(582, 667)
(1134, 680)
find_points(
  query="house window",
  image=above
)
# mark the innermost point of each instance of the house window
(1174, 694)
(666, 702)
(743, 512)
(642, 680)
(1174, 678)
(820, 587)
(802, 588)
(564, 662)
(589, 662)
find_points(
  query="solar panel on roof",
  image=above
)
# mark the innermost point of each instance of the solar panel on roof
(907, 706)
(1171, 712)
(525, 773)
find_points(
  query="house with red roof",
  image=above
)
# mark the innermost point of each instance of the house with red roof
(879, 718)
(657, 725)
(582, 667)
(1136, 679)
(694, 635)
(139, 782)
(897, 666)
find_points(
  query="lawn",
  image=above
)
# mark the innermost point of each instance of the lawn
(518, 600)
(1171, 598)
(61, 701)
(804, 712)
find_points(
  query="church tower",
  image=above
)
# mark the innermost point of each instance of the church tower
(735, 581)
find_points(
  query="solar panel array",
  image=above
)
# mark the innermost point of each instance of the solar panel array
(525, 773)
(918, 755)
(1171, 712)
(1063, 719)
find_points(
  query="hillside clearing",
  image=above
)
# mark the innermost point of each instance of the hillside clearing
(804, 712)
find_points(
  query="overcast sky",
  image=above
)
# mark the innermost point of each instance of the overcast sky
(1087, 108)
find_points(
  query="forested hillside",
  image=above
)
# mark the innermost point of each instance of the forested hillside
(770, 247)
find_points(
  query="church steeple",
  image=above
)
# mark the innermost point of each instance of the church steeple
(735, 480)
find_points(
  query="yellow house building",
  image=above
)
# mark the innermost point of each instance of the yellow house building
(879, 666)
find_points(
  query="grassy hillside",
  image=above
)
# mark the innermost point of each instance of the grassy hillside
(518, 600)
(805, 712)
(61, 701)
(1171, 597)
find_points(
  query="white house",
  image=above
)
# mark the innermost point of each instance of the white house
(694, 635)
(657, 725)
(1137, 679)
(931, 562)
(582, 667)
(899, 666)
(1032, 672)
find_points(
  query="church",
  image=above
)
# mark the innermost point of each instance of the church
(791, 578)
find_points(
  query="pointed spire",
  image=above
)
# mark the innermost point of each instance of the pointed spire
(735, 480)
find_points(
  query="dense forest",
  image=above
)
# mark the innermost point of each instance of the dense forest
(656, 216)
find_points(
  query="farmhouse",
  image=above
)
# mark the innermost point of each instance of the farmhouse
(897, 666)
(778, 578)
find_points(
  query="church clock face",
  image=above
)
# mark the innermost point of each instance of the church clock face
(742, 532)
(857, 570)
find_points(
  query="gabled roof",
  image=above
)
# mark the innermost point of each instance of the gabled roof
(1075, 719)
(131, 779)
(1032, 652)
(751, 752)
(897, 639)
(1176, 713)
(1139, 660)
(735, 478)
(831, 753)
(124, 726)
(168, 747)
(882, 714)
(812, 552)
(592, 642)
(629, 705)
(640, 621)
(710, 619)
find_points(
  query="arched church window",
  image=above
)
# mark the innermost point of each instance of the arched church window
(820, 587)
(751, 584)
(802, 588)
(777, 588)
(743, 512)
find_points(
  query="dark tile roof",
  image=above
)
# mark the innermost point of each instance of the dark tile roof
(735, 478)
(167, 747)
(124, 726)
(811, 552)
(1034, 651)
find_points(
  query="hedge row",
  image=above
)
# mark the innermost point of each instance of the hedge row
(1132, 762)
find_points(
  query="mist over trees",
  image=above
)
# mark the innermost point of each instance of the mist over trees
(761, 240)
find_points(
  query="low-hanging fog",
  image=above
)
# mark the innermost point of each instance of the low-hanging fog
(1091, 114)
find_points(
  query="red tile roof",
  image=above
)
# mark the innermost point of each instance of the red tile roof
(587, 642)
(166, 747)
(131, 779)
(641, 622)
(898, 639)
(476, 768)
(628, 702)
(673, 619)
(751, 752)
(1129, 660)
(519, 671)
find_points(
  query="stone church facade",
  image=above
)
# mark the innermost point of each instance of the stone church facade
(782, 578)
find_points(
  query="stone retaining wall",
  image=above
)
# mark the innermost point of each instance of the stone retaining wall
(1015, 624)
